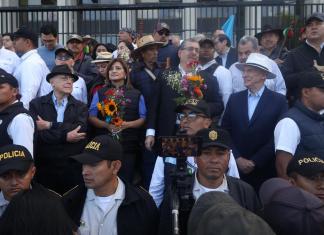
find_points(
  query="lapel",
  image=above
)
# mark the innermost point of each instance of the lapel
(244, 107)
(260, 106)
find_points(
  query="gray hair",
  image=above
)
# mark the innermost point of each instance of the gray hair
(254, 41)
(183, 44)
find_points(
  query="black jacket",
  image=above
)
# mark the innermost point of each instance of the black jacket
(86, 70)
(52, 146)
(241, 192)
(137, 214)
(162, 115)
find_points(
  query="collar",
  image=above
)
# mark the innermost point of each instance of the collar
(28, 53)
(79, 57)
(3, 201)
(258, 93)
(118, 195)
(182, 71)
(225, 53)
(309, 44)
(198, 187)
(57, 103)
(207, 65)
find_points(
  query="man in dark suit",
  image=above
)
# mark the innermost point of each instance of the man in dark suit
(162, 115)
(227, 55)
(250, 117)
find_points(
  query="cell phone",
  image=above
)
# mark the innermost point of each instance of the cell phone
(178, 146)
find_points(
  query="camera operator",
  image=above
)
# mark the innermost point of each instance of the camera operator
(193, 116)
(212, 164)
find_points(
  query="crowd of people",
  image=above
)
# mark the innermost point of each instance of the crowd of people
(82, 124)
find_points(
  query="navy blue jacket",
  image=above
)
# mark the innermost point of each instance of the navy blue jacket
(254, 139)
(168, 51)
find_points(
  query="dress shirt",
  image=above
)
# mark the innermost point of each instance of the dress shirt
(60, 107)
(253, 100)
(8, 60)
(21, 130)
(157, 182)
(199, 189)
(277, 84)
(224, 79)
(3, 204)
(99, 216)
(224, 57)
(31, 76)
(79, 91)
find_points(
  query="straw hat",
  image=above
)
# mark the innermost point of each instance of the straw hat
(143, 43)
(103, 57)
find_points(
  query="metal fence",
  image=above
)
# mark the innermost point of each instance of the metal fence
(104, 21)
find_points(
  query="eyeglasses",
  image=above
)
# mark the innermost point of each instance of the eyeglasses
(191, 49)
(64, 57)
(166, 33)
(189, 116)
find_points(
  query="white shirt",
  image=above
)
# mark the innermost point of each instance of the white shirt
(224, 57)
(287, 136)
(277, 84)
(224, 79)
(31, 76)
(80, 90)
(21, 131)
(157, 182)
(199, 189)
(3, 204)
(99, 216)
(8, 60)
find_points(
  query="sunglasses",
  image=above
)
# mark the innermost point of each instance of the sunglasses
(63, 58)
(166, 33)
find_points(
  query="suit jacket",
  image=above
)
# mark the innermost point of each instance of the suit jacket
(231, 58)
(161, 113)
(254, 139)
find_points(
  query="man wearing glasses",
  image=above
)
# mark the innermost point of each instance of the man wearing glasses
(168, 53)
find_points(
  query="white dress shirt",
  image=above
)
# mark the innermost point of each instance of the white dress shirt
(80, 90)
(31, 76)
(224, 79)
(99, 215)
(8, 60)
(3, 204)
(277, 84)
(157, 182)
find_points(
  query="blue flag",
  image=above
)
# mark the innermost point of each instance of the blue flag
(228, 27)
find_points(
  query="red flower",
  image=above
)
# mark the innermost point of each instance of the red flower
(198, 92)
(110, 92)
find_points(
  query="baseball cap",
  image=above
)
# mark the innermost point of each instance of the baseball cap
(8, 78)
(306, 165)
(68, 52)
(102, 147)
(24, 32)
(161, 26)
(315, 16)
(291, 210)
(198, 106)
(214, 137)
(310, 79)
(14, 157)
(75, 37)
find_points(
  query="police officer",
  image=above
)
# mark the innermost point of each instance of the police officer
(16, 124)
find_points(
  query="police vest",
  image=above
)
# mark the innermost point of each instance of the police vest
(130, 136)
(6, 116)
(311, 127)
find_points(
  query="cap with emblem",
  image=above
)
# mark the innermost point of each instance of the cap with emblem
(310, 79)
(161, 26)
(198, 106)
(315, 16)
(214, 137)
(102, 147)
(306, 165)
(8, 78)
(75, 37)
(14, 157)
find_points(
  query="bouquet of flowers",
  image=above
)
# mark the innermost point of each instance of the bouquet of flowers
(112, 107)
(188, 87)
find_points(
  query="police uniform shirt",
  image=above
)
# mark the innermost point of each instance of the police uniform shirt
(99, 214)
(3, 203)
(199, 189)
